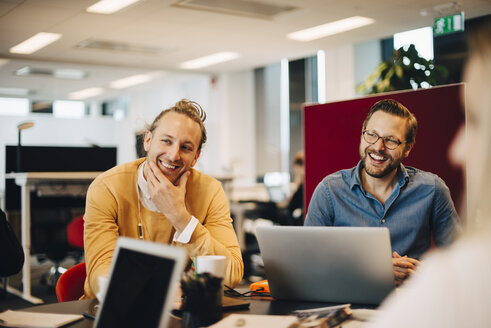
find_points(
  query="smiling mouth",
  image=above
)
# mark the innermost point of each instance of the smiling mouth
(377, 157)
(169, 166)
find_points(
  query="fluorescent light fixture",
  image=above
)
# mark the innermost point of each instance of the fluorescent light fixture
(130, 81)
(61, 73)
(213, 59)
(321, 76)
(14, 91)
(35, 43)
(23, 71)
(109, 6)
(324, 30)
(71, 74)
(85, 93)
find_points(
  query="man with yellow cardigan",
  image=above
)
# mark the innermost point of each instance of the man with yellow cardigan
(161, 198)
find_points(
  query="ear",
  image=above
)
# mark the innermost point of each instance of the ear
(146, 141)
(408, 149)
(196, 157)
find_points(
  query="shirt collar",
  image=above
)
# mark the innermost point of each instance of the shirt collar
(142, 183)
(143, 190)
(355, 180)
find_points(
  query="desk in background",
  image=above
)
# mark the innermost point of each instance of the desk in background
(29, 181)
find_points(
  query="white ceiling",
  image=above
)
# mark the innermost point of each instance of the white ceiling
(182, 34)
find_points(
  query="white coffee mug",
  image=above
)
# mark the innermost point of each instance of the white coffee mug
(214, 264)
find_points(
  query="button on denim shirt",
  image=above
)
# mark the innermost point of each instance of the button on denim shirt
(419, 207)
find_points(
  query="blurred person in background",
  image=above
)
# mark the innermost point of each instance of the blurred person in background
(296, 201)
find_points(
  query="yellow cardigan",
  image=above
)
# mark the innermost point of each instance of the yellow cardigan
(112, 211)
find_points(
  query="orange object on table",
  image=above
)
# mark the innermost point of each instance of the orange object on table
(260, 286)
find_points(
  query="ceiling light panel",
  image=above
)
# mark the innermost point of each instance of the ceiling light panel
(210, 60)
(61, 73)
(86, 93)
(109, 6)
(322, 31)
(35, 43)
(257, 9)
(130, 81)
(14, 91)
(120, 46)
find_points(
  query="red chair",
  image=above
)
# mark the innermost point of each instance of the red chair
(75, 237)
(70, 285)
(75, 232)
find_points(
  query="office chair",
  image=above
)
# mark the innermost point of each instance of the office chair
(70, 285)
(49, 240)
(11, 252)
(75, 236)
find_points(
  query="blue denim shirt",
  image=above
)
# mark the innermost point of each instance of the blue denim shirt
(419, 206)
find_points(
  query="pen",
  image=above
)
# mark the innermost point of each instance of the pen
(88, 315)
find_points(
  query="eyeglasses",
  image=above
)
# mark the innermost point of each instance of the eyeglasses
(389, 142)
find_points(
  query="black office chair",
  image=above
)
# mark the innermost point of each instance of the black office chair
(11, 252)
(50, 242)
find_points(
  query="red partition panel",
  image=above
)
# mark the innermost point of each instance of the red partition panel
(333, 130)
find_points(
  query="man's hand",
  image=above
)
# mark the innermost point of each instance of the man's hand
(403, 266)
(168, 198)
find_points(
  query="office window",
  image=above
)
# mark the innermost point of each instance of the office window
(14, 106)
(117, 108)
(68, 109)
(422, 38)
(45, 107)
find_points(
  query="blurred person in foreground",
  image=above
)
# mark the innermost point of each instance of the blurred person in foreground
(453, 286)
(161, 198)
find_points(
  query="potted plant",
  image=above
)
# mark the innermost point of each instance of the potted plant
(406, 69)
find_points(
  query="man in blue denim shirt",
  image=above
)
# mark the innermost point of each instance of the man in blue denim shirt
(381, 192)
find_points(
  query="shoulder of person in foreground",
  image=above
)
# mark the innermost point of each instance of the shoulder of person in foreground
(450, 289)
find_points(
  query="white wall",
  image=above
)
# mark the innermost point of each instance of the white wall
(340, 73)
(233, 95)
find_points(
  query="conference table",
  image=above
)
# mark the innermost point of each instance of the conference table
(257, 305)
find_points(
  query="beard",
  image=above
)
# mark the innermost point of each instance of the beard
(388, 166)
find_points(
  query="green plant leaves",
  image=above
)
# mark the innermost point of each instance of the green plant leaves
(404, 70)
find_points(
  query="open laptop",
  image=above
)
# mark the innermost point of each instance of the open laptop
(327, 264)
(142, 284)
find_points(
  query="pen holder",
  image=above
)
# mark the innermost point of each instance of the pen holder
(201, 300)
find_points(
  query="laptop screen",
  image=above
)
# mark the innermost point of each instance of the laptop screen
(137, 290)
(327, 264)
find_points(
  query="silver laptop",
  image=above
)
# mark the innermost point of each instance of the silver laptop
(327, 264)
(142, 284)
